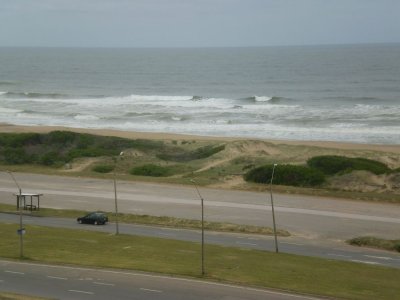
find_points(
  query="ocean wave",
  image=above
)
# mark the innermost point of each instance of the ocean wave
(80, 117)
(355, 100)
(5, 82)
(35, 95)
(162, 98)
(5, 110)
(268, 99)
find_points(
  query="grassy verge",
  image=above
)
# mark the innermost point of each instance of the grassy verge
(154, 220)
(250, 267)
(373, 242)
(12, 296)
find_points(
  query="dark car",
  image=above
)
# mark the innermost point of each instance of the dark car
(95, 218)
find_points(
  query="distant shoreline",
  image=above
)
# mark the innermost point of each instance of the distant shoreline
(4, 127)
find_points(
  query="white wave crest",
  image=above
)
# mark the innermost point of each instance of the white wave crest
(160, 98)
(4, 110)
(262, 98)
(86, 118)
(3, 93)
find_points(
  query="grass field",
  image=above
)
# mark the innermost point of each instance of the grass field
(12, 296)
(249, 267)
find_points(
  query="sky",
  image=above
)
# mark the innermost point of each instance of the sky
(196, 23)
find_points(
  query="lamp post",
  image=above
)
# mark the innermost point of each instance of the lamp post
(115, 194)
(21, 230)
(273, 210)
(202, 227)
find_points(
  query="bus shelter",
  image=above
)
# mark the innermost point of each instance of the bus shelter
(28, 201)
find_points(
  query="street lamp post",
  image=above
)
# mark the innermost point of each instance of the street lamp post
(115, 195)
(20, 231)
(202, 227)
(273, 210)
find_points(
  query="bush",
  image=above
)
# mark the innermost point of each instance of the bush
(150, 170)
(103, 168)
(15, 156)
(179, 155)
(332, 164)
(61, 137)
(52, 158)
(369, 241)
(17, 140)
(286, 175)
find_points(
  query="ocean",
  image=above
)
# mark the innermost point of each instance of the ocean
(347, 93)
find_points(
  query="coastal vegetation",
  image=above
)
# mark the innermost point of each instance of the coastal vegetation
(333, 164)
(332, 278)
(374, 242)
(286, 175)
(103, 168)
(318, 170)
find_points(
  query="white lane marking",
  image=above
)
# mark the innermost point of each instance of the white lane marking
(169, 278)
(149, 290)
(12, 272)
(340, 255)
(287, 243)
(365, 262)
(82, 292)
(103, 283)
(380, 257)
(244, 243)
(59, 278)
(127, 247)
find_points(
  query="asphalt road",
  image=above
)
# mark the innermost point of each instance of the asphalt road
(312, 218)
(63, 282)
(286, 244)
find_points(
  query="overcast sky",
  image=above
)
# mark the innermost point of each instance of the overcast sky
(197, 23)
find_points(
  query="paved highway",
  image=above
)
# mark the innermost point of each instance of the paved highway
(312, 218)
(292, 245)
(63, 282)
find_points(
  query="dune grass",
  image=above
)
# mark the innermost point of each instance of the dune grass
(250, 267)
(374, 242)
(13, 296)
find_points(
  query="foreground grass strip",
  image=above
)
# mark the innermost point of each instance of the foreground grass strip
(12, 296)
(250, 267)
(373, 242)
(153, 220)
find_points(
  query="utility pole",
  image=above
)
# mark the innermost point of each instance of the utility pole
(115, 194)
(273, 210)
(202, 227)
(21, 229)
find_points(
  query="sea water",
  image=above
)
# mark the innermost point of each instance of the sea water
(348, 93)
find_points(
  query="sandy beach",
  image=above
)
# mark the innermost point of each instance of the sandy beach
(168, 136)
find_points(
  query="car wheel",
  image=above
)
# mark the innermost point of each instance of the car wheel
(96, 223)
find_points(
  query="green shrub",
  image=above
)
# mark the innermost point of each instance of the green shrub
(61, 137)
(369, 241)
(52, 158)
(286, 175)
(60, 147)
(15, 156)
(16, 140)
(180, 155)
(332, 164)
(103, 168)
(150, 170)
